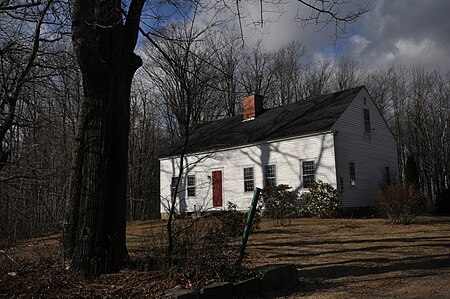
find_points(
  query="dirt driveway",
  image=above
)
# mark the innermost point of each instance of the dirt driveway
(360, 258)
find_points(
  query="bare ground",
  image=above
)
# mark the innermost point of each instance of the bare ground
(361, 258)
(336, 258)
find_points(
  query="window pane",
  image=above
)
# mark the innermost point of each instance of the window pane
(387, 172)
(270, 176)
(248, 179)
(191, 185)
(366, 120)
(248, 173)
(352, 174)
(308, 169)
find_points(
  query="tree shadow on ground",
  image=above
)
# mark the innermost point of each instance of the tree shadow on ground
(335, 276)
(372, 260)
(376, 266)
(413, 241)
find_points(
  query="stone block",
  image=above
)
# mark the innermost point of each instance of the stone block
(249, 287)
(217, 290)
(277, 277)
(180, 294)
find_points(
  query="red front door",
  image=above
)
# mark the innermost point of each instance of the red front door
(217, 188)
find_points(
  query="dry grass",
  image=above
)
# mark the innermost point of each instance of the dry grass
(336, 258)
(361, 257)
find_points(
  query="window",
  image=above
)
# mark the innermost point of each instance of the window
(387, 175)
(367, 120)
(173, 184)
(248, 179)
(352, 174)
(308, 169)
(191, 185)
(270, 176)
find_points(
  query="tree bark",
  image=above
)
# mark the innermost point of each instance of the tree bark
(94, 235)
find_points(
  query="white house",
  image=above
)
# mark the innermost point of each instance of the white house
(339, 138)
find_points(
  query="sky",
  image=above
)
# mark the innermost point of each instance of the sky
(400, 32)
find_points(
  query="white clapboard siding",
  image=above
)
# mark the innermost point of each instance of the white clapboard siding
(371, 153)
(286, 154)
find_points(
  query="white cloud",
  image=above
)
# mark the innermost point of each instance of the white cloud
(407, 32)
(359, 44)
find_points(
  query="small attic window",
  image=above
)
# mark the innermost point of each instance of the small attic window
(365, 100)
(367, 121)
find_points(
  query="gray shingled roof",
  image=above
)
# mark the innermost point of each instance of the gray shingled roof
(317, 114)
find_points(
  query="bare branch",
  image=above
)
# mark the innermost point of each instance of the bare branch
(4, 6)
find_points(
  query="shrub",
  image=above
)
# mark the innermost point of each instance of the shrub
(232, 222)
(321, 201)
(400, 203)
(204, 249)
(280, 203)
(201, 253)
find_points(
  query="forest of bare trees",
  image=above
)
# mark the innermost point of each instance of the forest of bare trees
(201, 76)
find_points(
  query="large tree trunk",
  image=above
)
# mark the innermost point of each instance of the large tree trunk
(94, 236)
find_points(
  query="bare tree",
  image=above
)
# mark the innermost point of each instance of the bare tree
(104, 41)
(258, 71)
(228, 59)
(184, 76)
(316, 79)
(285, 87)
(347, 74)
(17, 59)
(35, 67)
(147, 140)
(427, 120)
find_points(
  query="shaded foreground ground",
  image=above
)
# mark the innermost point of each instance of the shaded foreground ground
(336, 258)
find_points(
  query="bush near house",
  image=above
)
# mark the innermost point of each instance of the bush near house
(400, 203)
(321, 201)
(280, 204)
(232, 222)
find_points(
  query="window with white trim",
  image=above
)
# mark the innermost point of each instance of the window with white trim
(191, 185)
(308, 173)
(248, 179)
(270, 175)
(352, 174)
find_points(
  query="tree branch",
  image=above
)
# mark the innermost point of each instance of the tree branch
(334, 15)
(36, 41)
(132, 22)
(18, 6)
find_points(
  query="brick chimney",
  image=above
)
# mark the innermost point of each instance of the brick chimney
(253, 106)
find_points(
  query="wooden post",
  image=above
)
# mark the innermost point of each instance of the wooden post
(247, 230)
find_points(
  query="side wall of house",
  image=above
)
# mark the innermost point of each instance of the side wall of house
(286, 155)
(370, 153)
